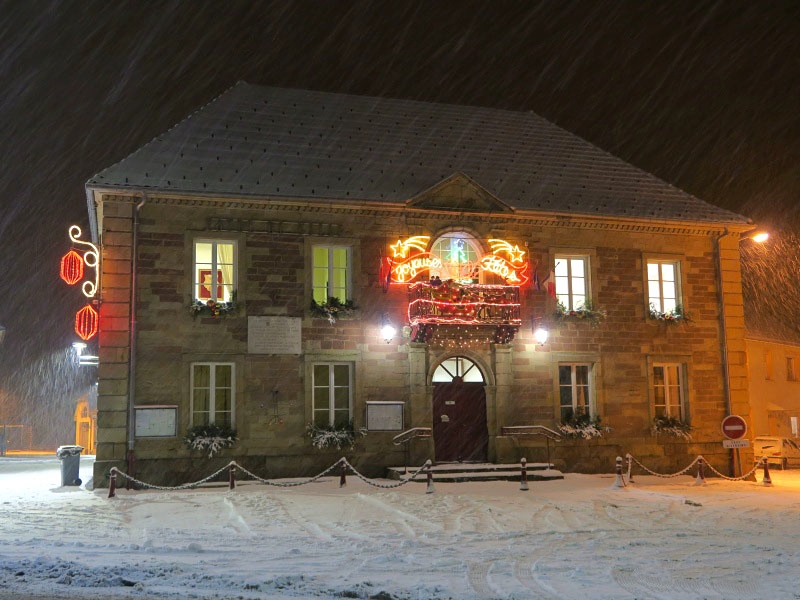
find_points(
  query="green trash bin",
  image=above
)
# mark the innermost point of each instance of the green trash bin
(70, 457)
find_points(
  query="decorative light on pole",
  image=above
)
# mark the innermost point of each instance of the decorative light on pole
(388, 331)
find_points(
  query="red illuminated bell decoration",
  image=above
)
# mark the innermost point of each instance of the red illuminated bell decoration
(86, 322)
(72, 267)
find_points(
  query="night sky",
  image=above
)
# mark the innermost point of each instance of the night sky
(705, 95)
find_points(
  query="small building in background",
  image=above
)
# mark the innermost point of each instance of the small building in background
(86, 425)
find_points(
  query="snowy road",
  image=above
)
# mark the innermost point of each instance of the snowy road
(576, 538)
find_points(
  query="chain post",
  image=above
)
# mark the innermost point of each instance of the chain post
(767, 479)
(701, 479)
(429, 473)
(523, 475)
(112, 483)
(232, 477)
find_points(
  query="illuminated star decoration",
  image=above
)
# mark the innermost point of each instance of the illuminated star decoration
(514, 252)
(401, 248)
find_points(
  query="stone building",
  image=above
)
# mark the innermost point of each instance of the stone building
(467, 229)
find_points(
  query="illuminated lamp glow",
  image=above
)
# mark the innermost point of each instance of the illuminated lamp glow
(87, 322)
(71, 267)
(761, 237)
(540, 335)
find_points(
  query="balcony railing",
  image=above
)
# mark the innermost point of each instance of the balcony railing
(470, 304)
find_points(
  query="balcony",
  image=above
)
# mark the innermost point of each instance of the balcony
(452, 303)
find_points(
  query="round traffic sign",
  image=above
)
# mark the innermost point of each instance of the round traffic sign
(734, 427)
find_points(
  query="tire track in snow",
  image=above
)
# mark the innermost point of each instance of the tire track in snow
(478, 577)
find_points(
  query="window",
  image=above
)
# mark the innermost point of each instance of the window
(668, 391)
(571, 275)
(662, 286)
(331, 272)
(767, 364)
(214, 257)
(574, 386)
(790, 372)
(212, 394)
(332, 393)
(460, 258)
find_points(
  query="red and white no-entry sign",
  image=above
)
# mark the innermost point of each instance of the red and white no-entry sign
(734, 427)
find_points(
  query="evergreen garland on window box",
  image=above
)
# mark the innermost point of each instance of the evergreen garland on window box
(586, 313)
(581, 426)
(210, 438)
(333, 436)
(212, 308)
(673, 427)
(333, 309)
(677, 315)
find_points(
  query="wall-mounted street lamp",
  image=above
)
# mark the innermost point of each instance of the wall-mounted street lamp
(84, 360)
(388, 331)
(540, 335)
(760, 237)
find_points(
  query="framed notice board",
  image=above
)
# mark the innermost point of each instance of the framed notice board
(156, 421)
(384, 416)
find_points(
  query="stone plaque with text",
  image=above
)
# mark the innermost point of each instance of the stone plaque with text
(274, 335)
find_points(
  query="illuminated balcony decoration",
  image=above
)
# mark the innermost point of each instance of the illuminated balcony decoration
(87, 322)
(454, 257)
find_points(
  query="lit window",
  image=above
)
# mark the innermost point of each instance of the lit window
(214, 257)
(571, 275)
(212, 394)
(457, 367)
(460, 258)
(331, 273)
(662, 286)
(668, 391)
(574, 386)
(790, 372)
(332, 398)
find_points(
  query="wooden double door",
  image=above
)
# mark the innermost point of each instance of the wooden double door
(459, 421)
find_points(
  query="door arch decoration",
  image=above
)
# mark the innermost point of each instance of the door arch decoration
(460, 433)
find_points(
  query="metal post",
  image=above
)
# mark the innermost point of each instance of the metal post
(342, 474)
(701, 479)
(619, 482)
(429, 474)
(767, 480)
(547, 444)
(629, 458)
(232, 477)
(112, 483)
(523, 476)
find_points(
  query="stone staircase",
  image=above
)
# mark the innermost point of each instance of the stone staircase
(458, 472)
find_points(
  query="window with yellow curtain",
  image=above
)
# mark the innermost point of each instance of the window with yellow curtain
(331, 273)
(214, 270)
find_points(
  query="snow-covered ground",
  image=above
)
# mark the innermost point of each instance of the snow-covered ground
(576, 538)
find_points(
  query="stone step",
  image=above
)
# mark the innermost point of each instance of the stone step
(457, 472)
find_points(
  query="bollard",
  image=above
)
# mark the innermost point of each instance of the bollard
(619, 482)
(112, 483)
(342, 474)
(767, 480)
(629, 458)
(429, 473)
(523, 476)
(700, 479)
(232, 477)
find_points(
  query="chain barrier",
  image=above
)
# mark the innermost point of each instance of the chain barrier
(386, 486)
(233, 464)
(745, 476)
(165, 488)
(651, 472)
(632, 459)
(289, 483)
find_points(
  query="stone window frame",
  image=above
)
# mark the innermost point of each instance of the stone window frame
(683, 362)
(678, 260)
(235, 270)
(573, 386)
(595, 380)
(351, 357)
(589, 255)
(354, 257)
(213, 363)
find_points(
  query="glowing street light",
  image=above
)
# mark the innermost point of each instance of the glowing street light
(540, 335)
(760, 237)
(388, 331)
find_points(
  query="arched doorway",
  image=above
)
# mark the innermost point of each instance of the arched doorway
(459, 412)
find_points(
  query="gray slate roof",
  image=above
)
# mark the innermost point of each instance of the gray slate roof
(271, 142)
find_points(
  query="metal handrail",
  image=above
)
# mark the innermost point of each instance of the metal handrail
(410, 434)
(516, 430)
(528, 430)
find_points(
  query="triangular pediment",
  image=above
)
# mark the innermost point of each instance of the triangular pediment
(459, 193)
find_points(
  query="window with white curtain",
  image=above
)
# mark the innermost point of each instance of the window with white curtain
(669, 393)
(663, 286)
(331, 273)
(572, 281)
(212, 387)
(214, 270)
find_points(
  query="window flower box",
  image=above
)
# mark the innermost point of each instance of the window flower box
(677, 315)
(212, 308)
(333, 436)
(210, 438)
(334, 309)
(671, 426)
(587, 313)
